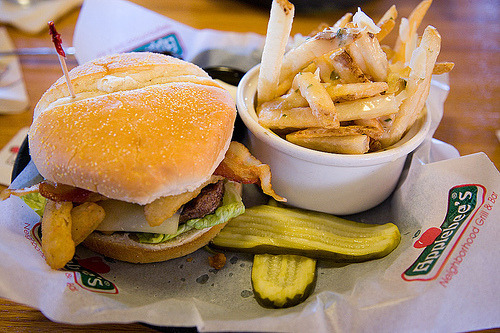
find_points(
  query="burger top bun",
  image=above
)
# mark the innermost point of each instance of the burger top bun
(142, 126)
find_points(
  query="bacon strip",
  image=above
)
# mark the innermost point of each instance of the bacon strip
(240, 166)
(18, 192)
(61, 192)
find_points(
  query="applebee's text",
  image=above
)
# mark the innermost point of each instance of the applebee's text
(27, 235)
(472, 233)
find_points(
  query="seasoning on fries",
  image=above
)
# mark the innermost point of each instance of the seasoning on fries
(341, 91)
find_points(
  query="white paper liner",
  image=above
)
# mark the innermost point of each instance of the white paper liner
(363, 297)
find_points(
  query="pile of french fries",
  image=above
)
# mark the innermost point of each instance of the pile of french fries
(341, 90)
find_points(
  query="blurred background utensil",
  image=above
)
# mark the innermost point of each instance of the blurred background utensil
(24, 2)
(36, 51)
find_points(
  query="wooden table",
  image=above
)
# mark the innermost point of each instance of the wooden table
(471, 110)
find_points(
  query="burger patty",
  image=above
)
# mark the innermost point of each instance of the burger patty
(205, 203)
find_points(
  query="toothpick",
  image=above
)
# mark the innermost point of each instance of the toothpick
(56, 39)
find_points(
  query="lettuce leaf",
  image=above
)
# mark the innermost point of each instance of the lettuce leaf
(232, 206)
(153, 238)
(35, 201)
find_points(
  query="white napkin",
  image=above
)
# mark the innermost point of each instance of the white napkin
(153, 32)
(13, 96)
(34, 18)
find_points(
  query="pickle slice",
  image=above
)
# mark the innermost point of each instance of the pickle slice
(281, 281)
(279, 230)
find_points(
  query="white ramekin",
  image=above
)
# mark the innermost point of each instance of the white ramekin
(331, 183)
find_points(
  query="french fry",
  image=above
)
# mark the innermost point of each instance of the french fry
(289, 101)
(287, 83)
(390, 14)
(346, 68)
(288, 119)
(400, 97)
(299, 57)
(357, 57)
(278, 31)
(316, 95)
(398, 74)
(311, 68)
(389, 52)
(372, 131)
(395, 83)
(442, 67)
(424, 59)
(342, 22)
(406, 33)
(326, 70)
(366, 51)
(417, 87)
(387, 22)
(373, 123)
(353, 91)
(385, 29)
(349, 144)
(57, 243)
(302, 117)
(411, 45)
(404, 36)
(367, 108)
(85, 218)
(401, 69)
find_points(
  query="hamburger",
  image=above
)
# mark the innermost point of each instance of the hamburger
(138, 166)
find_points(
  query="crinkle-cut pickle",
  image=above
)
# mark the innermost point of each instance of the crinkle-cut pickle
(281, 281)
(279, 230)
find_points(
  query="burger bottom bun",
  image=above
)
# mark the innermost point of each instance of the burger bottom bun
(122, 247)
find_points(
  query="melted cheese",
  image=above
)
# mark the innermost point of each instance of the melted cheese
(364, 21)
(418, 62)
(124, 216)
(404, 30)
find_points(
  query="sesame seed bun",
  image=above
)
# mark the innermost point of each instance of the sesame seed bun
(142, 126)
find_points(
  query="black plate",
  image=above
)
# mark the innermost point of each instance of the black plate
(226, 74)
(231, 76)
(22, 159)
